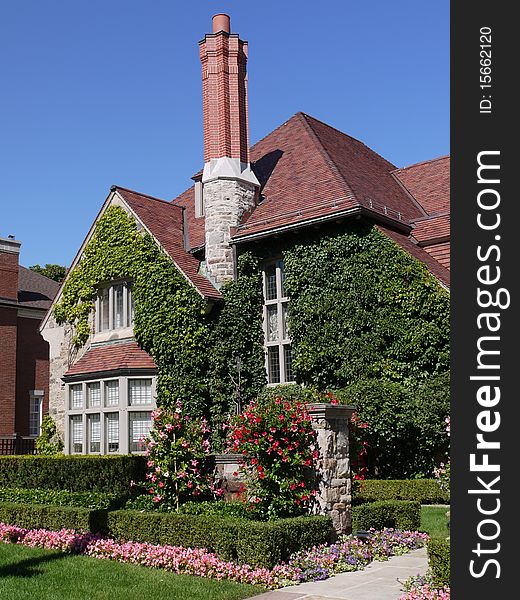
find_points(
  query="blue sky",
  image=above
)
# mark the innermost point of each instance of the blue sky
(102, 92)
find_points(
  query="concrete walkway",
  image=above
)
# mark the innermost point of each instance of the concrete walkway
(378, 581)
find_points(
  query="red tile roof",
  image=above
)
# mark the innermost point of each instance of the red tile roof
(429, 183)
(112, 357)
(432, 230)
(165, 222)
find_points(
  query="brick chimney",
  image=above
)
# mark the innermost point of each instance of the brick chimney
(229, 187)
(9, 254)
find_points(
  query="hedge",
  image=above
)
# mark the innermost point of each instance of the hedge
(96, 500)
(425, 491)
(111, 474)
(40, 516)
(439, 561)
(256, 543)
(399, 514)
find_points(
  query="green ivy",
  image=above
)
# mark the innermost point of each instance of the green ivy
(237, 373)
(361, 307)
(170, 316)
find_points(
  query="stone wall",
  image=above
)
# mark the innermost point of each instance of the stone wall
(62, 355)
(331, 423)
(225, 201)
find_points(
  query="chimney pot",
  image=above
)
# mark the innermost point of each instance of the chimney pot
(221, 22)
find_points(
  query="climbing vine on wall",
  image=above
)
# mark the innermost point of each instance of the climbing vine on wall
(361, 307)
(237, 372)
(170, 320)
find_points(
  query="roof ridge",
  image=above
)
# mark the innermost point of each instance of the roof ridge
(329, 160)
(348, 136)
(169, 202)
(39, 275)
(423, 162)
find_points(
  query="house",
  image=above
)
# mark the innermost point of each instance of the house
(304, 177)
(25, 297)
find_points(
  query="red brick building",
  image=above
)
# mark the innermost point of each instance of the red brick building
(25, 297)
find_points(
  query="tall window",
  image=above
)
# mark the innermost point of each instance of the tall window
(114, 307)
(139, 426)
(35, 415)
(277, 341)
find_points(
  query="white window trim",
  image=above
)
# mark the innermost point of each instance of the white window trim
(122, 409)
(36, 395)
(279, 302)
(112, 333)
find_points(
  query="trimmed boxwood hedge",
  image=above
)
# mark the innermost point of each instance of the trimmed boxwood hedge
(256, 543)
(36, 516)
(111, 474)
(439, 561)
(399, 514)
(94, 500)
(425, 491)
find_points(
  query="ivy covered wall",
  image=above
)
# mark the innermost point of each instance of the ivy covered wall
(361, 307)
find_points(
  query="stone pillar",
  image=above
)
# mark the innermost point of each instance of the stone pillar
(331, 423)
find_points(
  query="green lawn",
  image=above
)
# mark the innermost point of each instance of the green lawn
(34, 574)
(434, 521)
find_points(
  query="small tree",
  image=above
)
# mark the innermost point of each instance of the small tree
(48, 442)
(278, 444)
(55, 272)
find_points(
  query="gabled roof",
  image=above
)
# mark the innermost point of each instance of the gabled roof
(112, 357)
(35, 290)
(164, 220)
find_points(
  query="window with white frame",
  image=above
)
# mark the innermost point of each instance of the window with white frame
(114, 307)
(110, 416)
(277, 340)
(35, 415)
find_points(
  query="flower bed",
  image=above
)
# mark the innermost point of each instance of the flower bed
(318, 563)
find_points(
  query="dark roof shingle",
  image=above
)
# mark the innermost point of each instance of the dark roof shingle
(35, 290)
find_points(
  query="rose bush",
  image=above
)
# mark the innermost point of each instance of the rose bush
(278, 445)
(176, 449)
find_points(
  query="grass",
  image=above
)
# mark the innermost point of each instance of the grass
(434, 521)
(30, 573)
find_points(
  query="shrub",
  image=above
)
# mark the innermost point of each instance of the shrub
(61, 498)
(48, 442)
(112, 474)
(425, 491)
(176, 449)
(439, 560)
(398, 514)
(276, 438)
(254, 543)
(233, 510)
(406, 425)
(41, 516)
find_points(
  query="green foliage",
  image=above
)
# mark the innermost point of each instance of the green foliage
(55, 272)
(237, 372)
(233, 509)
(276, 437)
(399, 514)
(406, 424)
(425, 491)
(252, 542)
(111, 474)
(94, 500)
(41, 516)
(361, 307)
(48, 442)
(439, 561)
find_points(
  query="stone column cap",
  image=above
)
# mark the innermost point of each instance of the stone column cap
(331, 411)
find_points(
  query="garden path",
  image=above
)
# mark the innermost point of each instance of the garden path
(378, 581)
